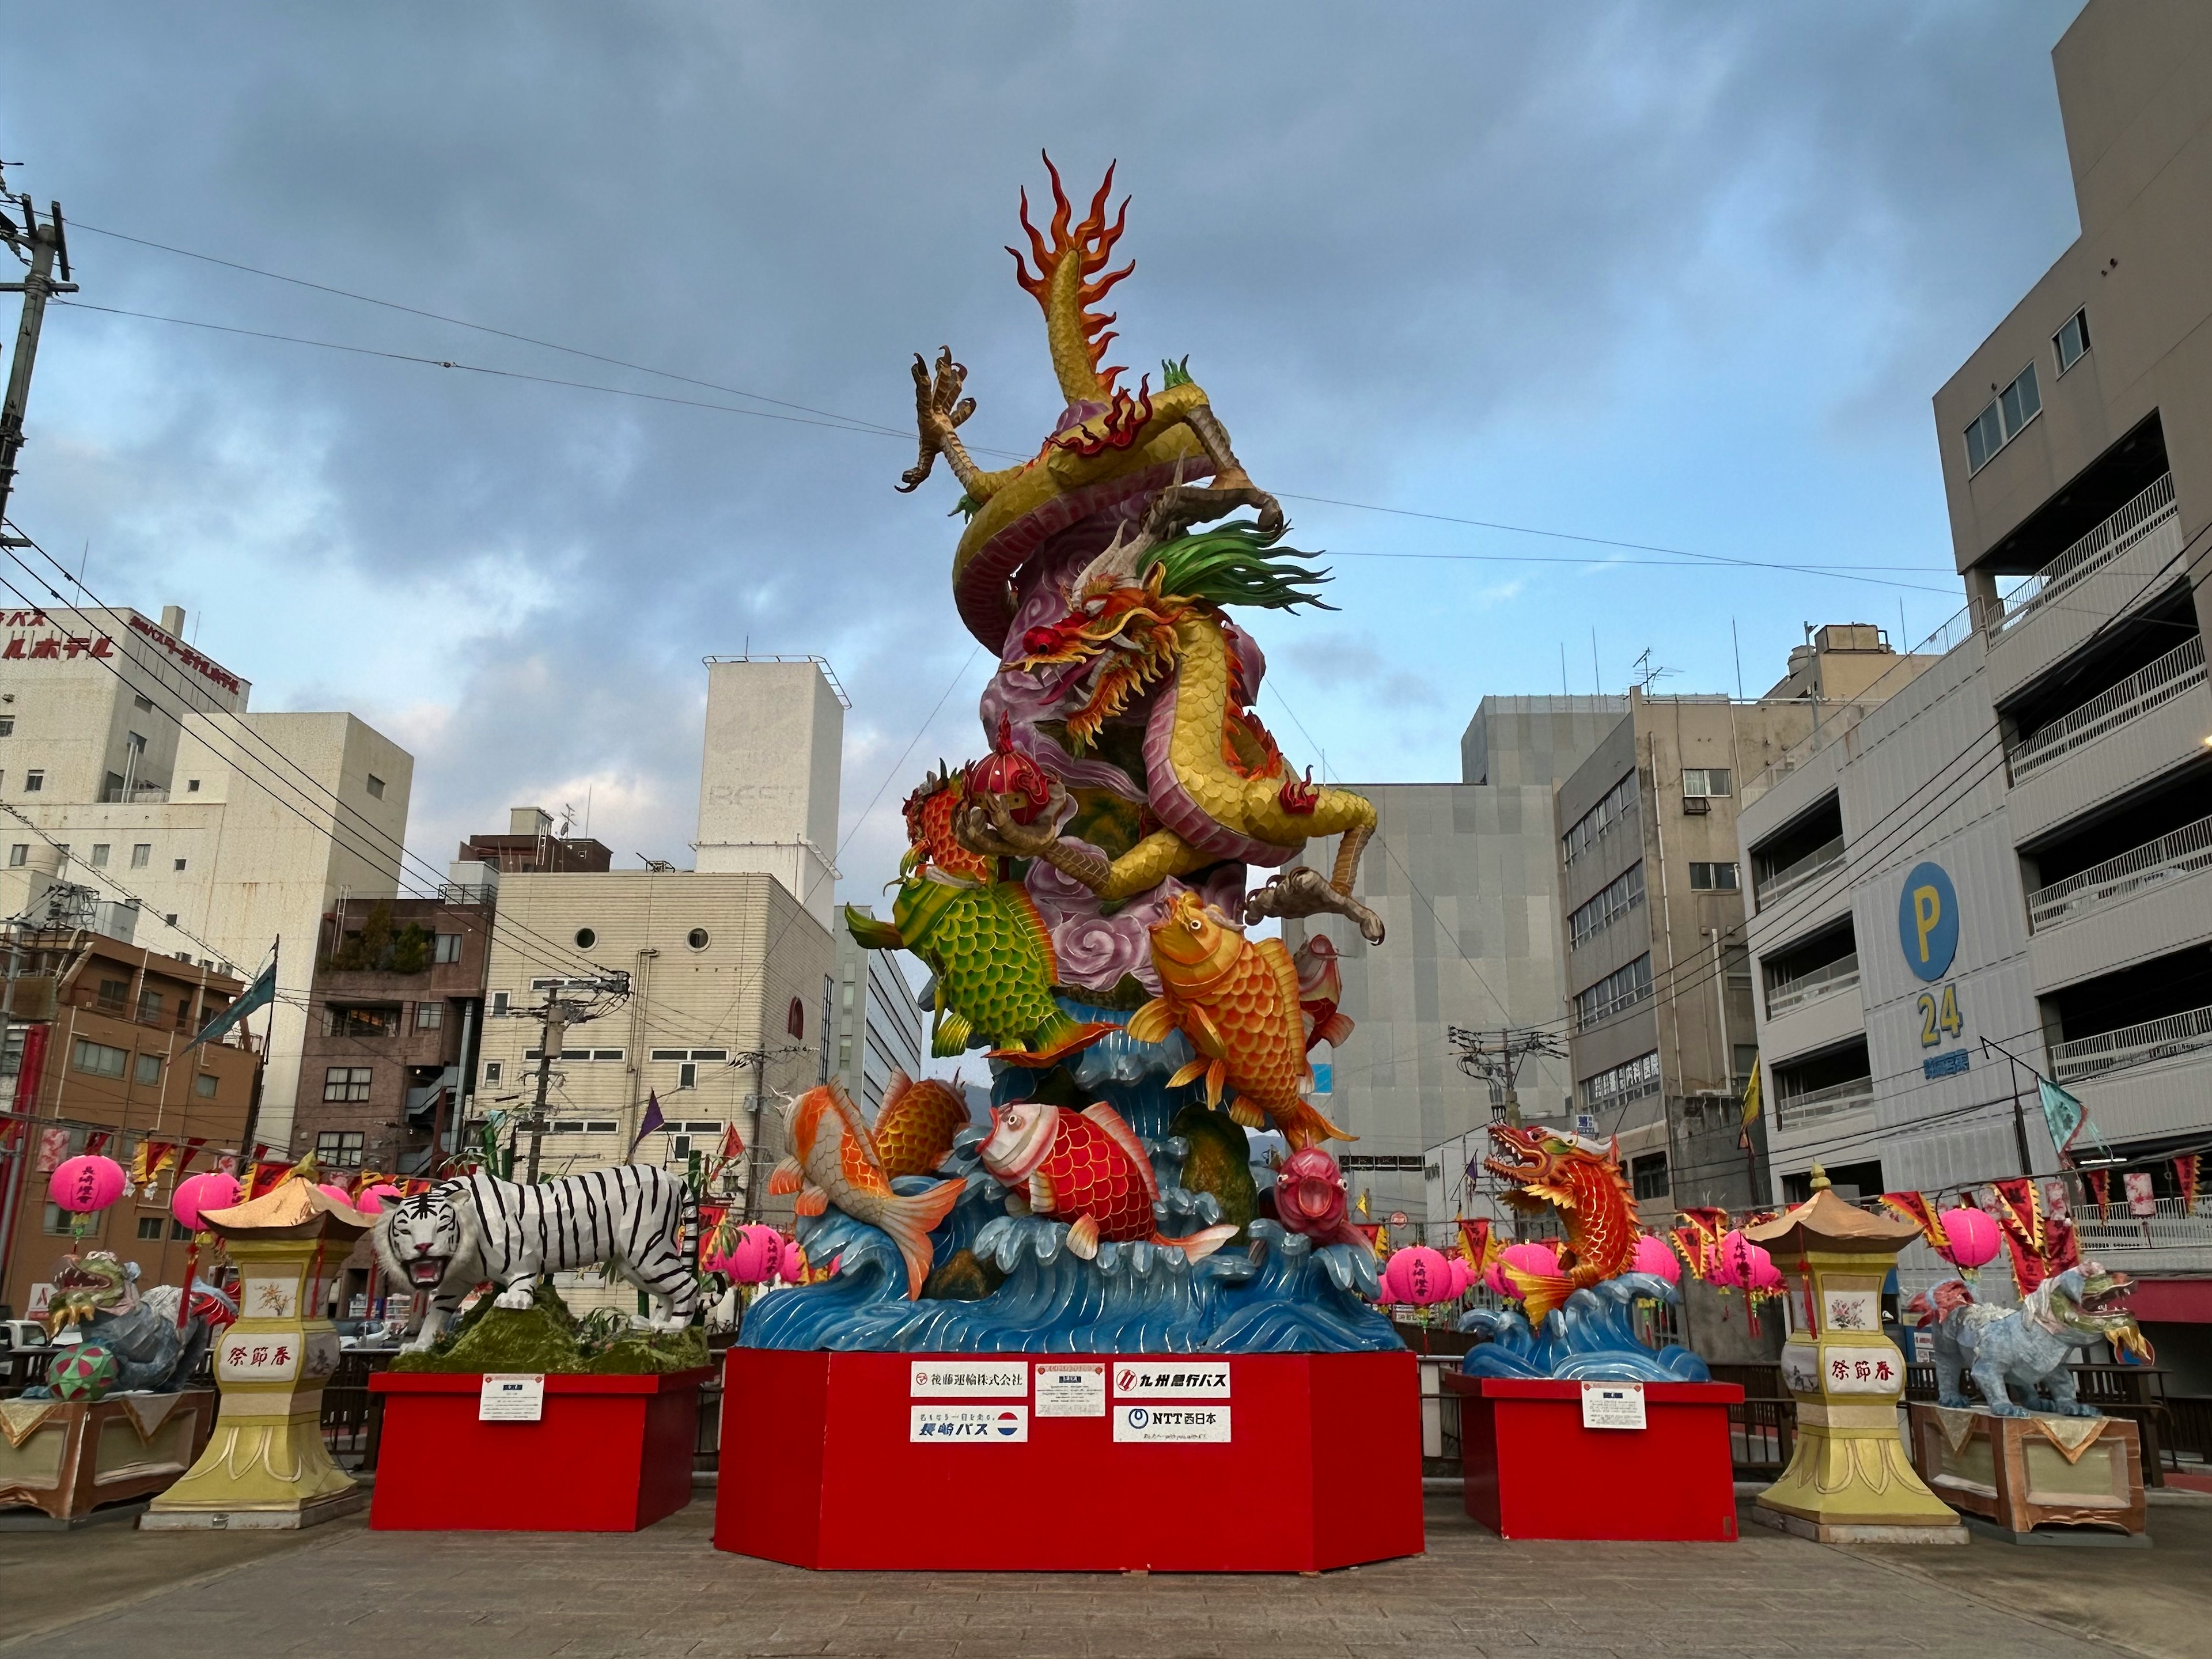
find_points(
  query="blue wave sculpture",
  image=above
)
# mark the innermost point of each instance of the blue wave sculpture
(1590, 1338)
(1281, 1296)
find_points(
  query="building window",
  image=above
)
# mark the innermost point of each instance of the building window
(7, 726)
(359, 1022)
(795, 1019)
(2009, 412)
(113, 995)
(696, 938)
(1648, 1176)
(99, 855)
(17, 853)
(687, 1076)
(98, 1059)
(446, 947)
(844, 1053)
(171, 919)
(499, 1005)
(1630, 1080)
(429, 1016)
(180, 864)
(1617, 804)
(177, 1231)
(338, 1149)
(493, 1070)
(376, 787)
(142, 703)
(33, 782)
(600, 1126)
(1713, 878)
(191, 785)
(203, 1085)
(149, 1068)
(586, 939)
(1624, 987)
(149, 1226)
(149, 1005)
(2072, 340)
(1612, 901)
(347, 1083)
(1706, 780)
(141, 855)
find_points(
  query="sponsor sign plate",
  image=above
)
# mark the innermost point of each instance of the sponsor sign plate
(1612, 1405)
(1177, 1379)
(974, 1423)
(981, 1379)
(511, 1397)
(1071, 1391)
(1157, 1424)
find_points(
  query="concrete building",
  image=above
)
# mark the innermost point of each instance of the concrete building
(230, 828)
(1661, 1036)
(2014, 847)
(532, 844)
(769, 778)
(102, 1064)
(878, 1024)
(1465, 879)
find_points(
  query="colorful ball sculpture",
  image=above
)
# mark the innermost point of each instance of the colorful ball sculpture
(86, 1372)
(197, 1194)
(1417, 1275)
(1654, 1255)
(81, 1185)
(1971, 1238)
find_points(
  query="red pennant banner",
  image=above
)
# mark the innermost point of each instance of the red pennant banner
(1915, 1208)
(2187, 1171)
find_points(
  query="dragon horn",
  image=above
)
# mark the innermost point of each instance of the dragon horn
(1115, 568)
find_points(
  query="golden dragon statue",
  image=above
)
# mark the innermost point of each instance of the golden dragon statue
(1124, 674)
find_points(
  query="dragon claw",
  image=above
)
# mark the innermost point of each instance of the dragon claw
(1301, 891)
(939, 410)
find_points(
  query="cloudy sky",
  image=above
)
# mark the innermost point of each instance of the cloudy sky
(1681, 275)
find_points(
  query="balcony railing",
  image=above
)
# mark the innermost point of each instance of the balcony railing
(2094, 550)
(2171, 1224)
(2148, 688)
(2169, 858)
(2132, 1045)
(1831, 976)
(1849, 1096)
(1814, 865)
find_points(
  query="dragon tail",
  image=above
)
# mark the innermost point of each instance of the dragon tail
(1542, 1292)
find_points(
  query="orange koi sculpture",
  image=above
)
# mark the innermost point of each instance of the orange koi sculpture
(1580, 1180)
(1237, 1002)
(834, 1161)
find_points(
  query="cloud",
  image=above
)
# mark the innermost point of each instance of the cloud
(1683, 274)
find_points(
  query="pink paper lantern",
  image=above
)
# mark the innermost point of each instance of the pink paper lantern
(1493, 1277)
(755, 1256)
(1538, 1260)
(373, 1199)
(81, 1185)
(1462, 1279)
(1654, 1255)
(336, 1195)
(794, 1263)
(1730, 1261)
(197, 1193)
(1417, 1275)
(1764, 1278)
(1973, 1235)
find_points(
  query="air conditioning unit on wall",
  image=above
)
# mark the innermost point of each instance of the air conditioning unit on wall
(1694, 804)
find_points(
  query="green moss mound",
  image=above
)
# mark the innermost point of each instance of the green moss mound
(546, 1337)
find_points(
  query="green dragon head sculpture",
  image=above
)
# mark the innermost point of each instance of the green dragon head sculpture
(96, 1283)
(2089, 1302)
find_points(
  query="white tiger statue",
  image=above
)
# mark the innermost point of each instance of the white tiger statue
(463, 1233)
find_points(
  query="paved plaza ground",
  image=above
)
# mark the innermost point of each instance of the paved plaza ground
(343, 1590)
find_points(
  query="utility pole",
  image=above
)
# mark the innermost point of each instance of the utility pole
(758, 1059)
(548, 1050)
(39, 246)
(607, 992)
(1496, 1059)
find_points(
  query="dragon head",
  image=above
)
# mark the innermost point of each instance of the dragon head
(1116, 637)
(88, 1285)
(1537, 1159)
(2087, 1302)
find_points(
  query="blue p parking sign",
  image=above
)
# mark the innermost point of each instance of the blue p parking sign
(1928, 921)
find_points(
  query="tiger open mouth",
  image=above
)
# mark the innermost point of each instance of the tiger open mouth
(427, 1269)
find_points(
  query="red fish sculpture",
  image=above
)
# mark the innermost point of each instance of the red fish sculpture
(1087, 1169)
(1320, 988)
(1582, 1183)
(1309, 1199)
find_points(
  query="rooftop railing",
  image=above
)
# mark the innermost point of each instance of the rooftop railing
(2184, 853)
(1786, 880)
(1825, 980)
(2141, 516)
(2132, 1045)
(2150, 687)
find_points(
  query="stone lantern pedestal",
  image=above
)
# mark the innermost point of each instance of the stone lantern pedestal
(265, 1467)
(1850, 1481)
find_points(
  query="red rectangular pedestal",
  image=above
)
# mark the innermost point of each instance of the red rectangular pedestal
(1534, 1471)
(610, 1453)
(824, 1464)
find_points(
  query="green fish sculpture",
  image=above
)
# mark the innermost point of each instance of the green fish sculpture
(993, 962)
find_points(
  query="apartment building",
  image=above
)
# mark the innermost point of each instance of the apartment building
(2013, 848)
(106, 1063)
(1661, 1031)
(1465, 877)
(876, 1022)
(136, 755)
